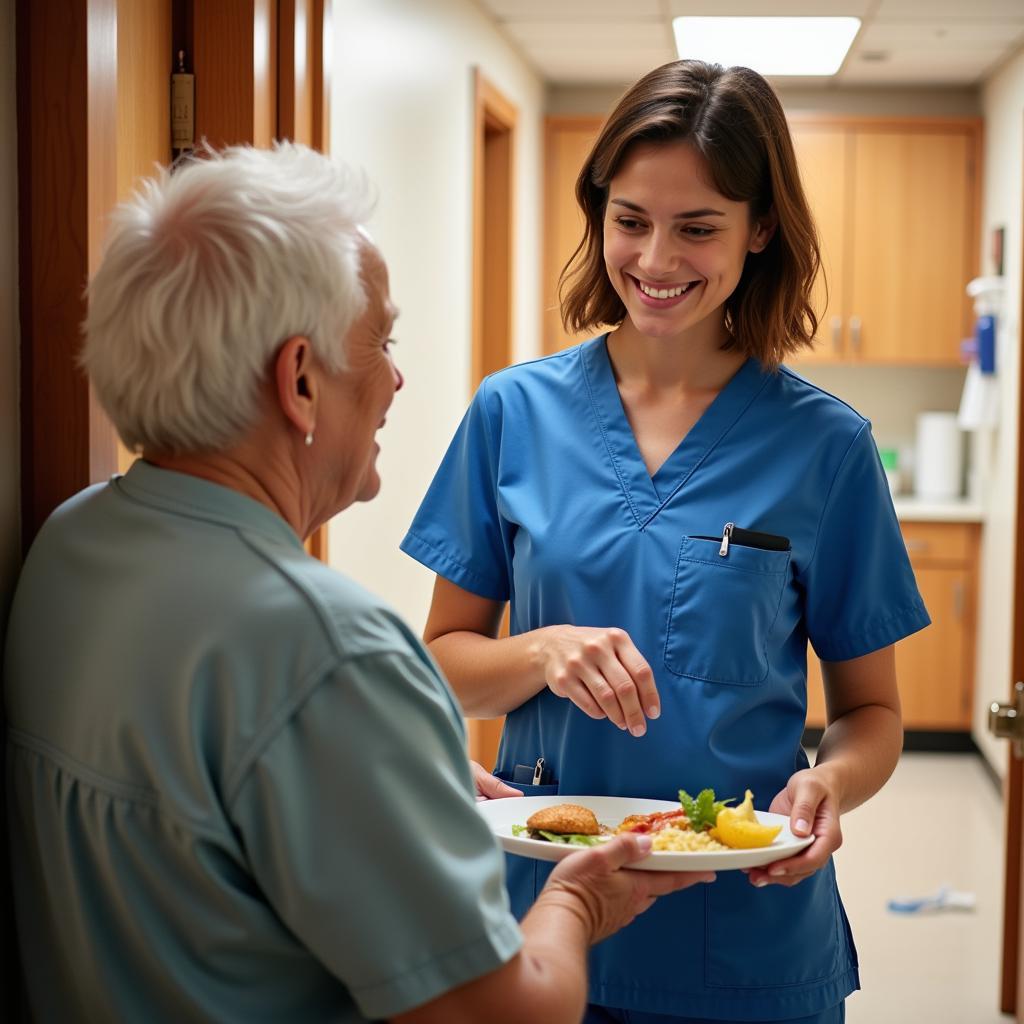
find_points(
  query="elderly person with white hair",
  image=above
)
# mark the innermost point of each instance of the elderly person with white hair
(238, 783)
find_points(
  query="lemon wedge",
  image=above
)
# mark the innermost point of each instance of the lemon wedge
(739, 828)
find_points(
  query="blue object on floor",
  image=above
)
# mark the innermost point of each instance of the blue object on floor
(945, 899)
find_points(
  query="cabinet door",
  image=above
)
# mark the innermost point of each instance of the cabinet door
(824, 157)
(568, 143)
(931, 665)
(910, 245)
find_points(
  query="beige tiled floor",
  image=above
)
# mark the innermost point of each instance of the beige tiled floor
(938, 821)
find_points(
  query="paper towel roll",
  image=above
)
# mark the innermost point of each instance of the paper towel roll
(938, 458)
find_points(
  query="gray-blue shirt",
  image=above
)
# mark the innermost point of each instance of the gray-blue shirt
(238, 785)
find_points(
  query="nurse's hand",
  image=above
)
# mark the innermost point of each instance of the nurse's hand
(488, 786)
(601, 672)
(812, 808)
(594, 884)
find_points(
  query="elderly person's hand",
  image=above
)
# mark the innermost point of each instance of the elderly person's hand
(488, 786)
(597, 882)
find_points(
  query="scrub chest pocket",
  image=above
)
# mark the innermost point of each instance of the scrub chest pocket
(725, 599)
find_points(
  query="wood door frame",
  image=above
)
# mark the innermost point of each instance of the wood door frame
(494, 162)
(1011, 996)
(67, 183)
(493, 205)
(304, 74)
(296, 44)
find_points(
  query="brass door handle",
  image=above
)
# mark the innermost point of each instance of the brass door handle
(1006, 721)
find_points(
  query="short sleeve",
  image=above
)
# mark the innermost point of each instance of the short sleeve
(458, 531)
(860, 590)
(359, 822)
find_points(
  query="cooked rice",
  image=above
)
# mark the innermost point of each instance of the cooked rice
(684, 841)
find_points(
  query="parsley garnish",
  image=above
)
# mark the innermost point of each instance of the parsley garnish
(702, 812)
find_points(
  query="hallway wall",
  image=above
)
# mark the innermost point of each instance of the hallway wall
(402, 109)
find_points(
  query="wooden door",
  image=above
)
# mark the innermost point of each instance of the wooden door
(911, 243)
(567, 142)
(824, 155)
(1011, 995)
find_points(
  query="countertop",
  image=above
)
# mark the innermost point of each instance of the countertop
(929, 510)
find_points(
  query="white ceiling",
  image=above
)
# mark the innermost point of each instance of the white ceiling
(901, 42)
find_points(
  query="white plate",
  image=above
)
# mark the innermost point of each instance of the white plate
(501, 815)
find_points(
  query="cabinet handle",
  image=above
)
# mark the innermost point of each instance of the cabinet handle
(837, 334)
(913, 544)
(855, 326)
(958, 599)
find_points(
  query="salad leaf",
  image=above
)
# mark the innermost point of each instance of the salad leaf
(570, 838)
(702, 812)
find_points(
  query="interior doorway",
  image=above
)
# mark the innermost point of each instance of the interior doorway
(493, 213)
(494, 151)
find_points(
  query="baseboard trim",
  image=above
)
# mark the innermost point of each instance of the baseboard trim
(930, 741)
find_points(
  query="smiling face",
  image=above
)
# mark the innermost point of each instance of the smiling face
(674, 246)
(356, 400)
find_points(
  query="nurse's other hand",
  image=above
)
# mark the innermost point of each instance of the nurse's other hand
(488, 786)
(593, 882)
(813, 809)
(601, 672)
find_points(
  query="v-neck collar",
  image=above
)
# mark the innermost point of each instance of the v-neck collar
(647, 495)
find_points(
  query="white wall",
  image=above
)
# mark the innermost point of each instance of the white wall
(9, 451)
(1003, 205)
(402, 109)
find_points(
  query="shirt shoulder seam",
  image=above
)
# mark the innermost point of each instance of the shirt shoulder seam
(786, 371)
(826, 504)
(289, 709)
(564, 353)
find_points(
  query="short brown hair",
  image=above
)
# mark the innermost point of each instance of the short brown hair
(733, 118)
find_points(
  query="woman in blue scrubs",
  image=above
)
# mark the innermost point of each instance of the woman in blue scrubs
(673, 515)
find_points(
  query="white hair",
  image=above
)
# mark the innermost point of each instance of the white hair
(206, 271)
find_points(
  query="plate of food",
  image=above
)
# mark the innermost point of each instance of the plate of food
(691, 835)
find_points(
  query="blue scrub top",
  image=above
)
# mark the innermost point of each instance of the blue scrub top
(543, 499)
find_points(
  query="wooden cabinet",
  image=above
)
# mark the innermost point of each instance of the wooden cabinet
(824, 158)
(896, 203)
(935, 667)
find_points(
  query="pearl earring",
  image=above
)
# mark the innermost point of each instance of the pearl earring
(309, 438)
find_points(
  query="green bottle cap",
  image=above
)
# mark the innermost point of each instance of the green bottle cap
(889, 457)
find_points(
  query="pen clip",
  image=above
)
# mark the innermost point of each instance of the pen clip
(538, 771)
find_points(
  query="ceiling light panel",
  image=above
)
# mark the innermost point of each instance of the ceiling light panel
(771, 46)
